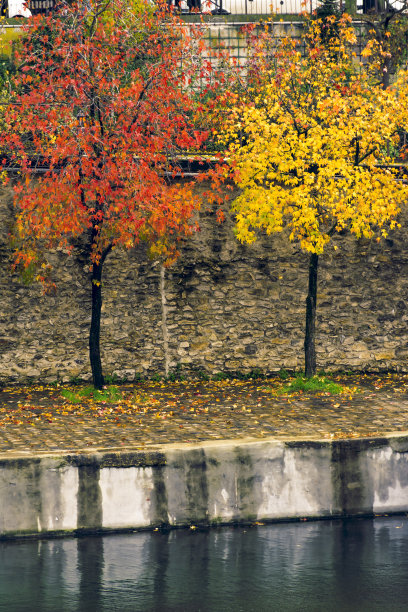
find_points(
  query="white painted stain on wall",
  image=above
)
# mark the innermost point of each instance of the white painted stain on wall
(390, 479)
(126, 496)
(61, 506)
(299, 484)
(69, 495)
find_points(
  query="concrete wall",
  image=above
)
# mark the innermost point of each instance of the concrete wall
(209, 483)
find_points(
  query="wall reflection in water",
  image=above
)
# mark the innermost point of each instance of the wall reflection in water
(356, 566)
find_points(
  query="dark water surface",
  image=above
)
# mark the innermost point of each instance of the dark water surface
(333, 566)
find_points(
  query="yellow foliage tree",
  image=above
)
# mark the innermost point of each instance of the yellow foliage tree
(308, 145)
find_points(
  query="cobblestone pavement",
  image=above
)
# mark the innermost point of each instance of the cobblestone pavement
(38, 419)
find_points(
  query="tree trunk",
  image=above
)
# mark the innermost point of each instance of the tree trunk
(94, 332)
(310, 351)
(385, 77)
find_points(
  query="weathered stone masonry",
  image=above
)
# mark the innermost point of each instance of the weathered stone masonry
(222, 307)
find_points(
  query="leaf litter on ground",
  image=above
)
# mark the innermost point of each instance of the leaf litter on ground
(174, 410)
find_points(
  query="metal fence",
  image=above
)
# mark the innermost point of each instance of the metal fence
(231, 40)
(236, 7)
(248, 7)
(41, 6)
(281, 7)
(265, 7)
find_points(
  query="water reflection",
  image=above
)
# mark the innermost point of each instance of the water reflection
(356, 566)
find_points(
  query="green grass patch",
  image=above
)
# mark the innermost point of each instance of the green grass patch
(111, 394)
(315, 384)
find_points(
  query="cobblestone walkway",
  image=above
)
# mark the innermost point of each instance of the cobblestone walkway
(38, 419)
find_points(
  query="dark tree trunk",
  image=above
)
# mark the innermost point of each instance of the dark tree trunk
(310, 351)
(386, 67)
(94, 332)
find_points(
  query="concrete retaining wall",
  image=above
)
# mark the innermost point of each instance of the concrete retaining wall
(209, 483)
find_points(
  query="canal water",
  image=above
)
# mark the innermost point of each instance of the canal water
(327, 566)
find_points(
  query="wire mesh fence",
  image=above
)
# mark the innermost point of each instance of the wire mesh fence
(227, 47)
(228, 44)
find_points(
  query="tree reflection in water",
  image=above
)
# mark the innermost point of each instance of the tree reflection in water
(341, 566)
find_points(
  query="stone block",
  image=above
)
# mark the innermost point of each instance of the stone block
(384, 356)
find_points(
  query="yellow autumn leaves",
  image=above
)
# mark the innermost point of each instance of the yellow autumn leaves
(311, 142)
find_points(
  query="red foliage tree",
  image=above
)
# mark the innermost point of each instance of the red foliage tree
(98, 102)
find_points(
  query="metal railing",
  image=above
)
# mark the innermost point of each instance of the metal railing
(248, 7)
(282, 7)
(241, 7)
(232, 40)
(41, 6)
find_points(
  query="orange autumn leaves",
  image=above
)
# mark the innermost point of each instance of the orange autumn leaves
(97, 104)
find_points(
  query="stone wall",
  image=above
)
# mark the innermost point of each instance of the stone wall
(223, 307)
